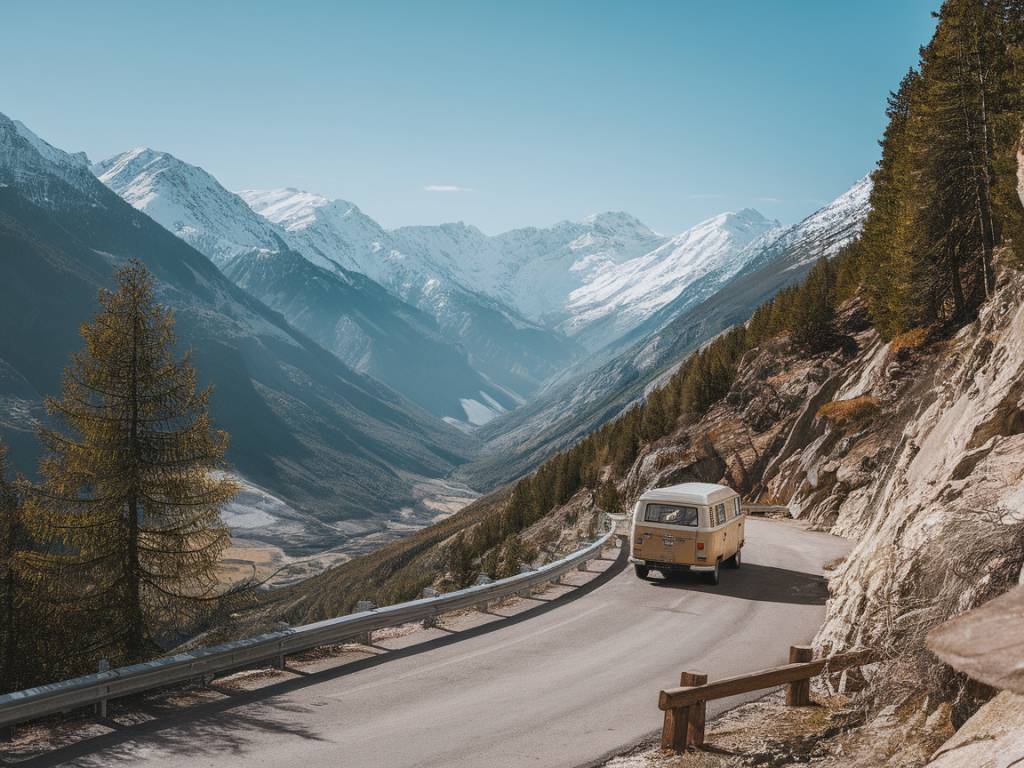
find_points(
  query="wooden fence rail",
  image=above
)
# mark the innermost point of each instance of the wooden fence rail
(685, 706)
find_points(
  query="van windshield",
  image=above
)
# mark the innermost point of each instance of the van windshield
(670, 514)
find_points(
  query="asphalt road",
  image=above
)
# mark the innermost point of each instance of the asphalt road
(559, 684)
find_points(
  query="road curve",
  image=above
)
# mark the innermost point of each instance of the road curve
(558, 685)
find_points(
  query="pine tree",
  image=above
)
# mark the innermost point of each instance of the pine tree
(460, 562)
(511, 557)
(813, 320)
(608, 498)
(130, 487)
(654, 423)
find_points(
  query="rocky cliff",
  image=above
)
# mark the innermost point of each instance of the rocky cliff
(914, 448)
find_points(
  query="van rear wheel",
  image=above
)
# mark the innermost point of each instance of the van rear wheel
(736, 560)
(712, 576)
(642, 571)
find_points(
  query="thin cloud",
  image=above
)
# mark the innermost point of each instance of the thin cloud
(767, 199)
(445, 188)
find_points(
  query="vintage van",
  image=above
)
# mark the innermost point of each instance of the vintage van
(687, 527)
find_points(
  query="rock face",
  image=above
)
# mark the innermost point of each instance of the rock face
(939, 519)
(993, 738)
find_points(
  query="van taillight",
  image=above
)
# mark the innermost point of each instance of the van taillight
(700, 545)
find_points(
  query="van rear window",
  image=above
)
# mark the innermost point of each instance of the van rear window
(670, 514)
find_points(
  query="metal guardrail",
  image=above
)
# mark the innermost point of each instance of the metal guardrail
(97, 688)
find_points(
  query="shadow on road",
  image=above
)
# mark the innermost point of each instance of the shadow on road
(218, 727)
(762, 583)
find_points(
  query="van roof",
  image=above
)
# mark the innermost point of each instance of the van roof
(690, 493)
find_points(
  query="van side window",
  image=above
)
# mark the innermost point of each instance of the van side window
(737, 510)
(670, 514)
(720, 514)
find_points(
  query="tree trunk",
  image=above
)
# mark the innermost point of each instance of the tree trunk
(980, 192)
(135, 639)
(984, 177)
(957, 283)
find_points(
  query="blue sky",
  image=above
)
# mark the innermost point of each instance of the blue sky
(498, 114)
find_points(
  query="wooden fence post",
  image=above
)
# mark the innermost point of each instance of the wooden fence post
(684, 726)
(673, 731)
(798, 693)
(698, 711)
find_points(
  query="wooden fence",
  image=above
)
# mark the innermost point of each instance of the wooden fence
(685, 706)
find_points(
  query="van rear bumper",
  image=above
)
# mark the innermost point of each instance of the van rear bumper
(680, 567)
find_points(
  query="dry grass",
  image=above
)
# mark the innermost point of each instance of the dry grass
(909, 341)
(842, 412)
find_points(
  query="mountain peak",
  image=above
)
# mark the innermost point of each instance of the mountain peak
(189, 202)
(288, 207)
(750, 214)
(43, 147)
(30, 160)
(613, 222)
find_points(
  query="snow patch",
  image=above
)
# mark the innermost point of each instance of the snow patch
(477, 413)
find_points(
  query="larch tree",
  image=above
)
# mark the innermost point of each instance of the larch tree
(131, 491)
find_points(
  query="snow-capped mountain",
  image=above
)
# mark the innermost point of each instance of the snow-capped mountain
(624, 295)
(603, 384)
(348, 313)
(508, 348)
(591, 280)
(330, 233)
(333, 443)
(38, 169)
(189, 202)
(533, 269)
(824, 233)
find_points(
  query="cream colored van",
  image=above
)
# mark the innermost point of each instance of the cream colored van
(687, 527)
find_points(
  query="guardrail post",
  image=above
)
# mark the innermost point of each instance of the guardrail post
(366, 638)
(281, 661)
(431, 620)
(798, 693)
(101, 708)
(482, 580)
(698, 711)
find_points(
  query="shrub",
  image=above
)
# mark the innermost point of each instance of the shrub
(909, 341)
(841, 412)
